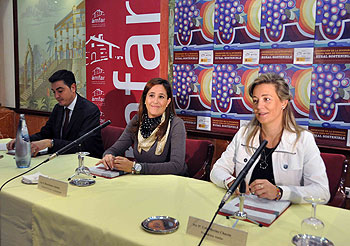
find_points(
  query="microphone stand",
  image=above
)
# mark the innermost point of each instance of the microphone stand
(235, 184)
(61, 151)
(241, 214)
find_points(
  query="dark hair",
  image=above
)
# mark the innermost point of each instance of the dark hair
(170, 110)
(65, 75)
(283, 93)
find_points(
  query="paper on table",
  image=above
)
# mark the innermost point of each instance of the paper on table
(262, 210)
(32, 178)
(3, 146)
(101, 171)
(41, 152)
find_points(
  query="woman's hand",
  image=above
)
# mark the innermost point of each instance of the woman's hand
(123, 164)
(107, 161)
(237, 190)
(263, 189)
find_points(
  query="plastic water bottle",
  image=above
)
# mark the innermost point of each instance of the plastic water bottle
(23, 153)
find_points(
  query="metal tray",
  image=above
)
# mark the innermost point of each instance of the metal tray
(305, 239)
(160, 224)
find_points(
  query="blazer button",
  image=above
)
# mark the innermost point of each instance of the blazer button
(245, 160)
(285, 166)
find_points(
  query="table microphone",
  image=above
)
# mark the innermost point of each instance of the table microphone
(62, 150)
(79, 140)
(235, 184)
(243, 173)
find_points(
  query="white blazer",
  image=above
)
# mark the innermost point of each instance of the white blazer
(297, 167)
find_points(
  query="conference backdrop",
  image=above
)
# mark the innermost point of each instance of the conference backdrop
(221, 46)
(122, 54)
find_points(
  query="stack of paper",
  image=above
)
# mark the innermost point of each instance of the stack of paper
(259, 209)
(100, 170)
(32, 178)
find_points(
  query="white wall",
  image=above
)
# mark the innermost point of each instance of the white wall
(7, 67)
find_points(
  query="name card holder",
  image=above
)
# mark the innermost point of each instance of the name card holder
(217, 233)
(53, 186)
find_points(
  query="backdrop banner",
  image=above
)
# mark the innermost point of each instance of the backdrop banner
(221, 46)
(122, 54)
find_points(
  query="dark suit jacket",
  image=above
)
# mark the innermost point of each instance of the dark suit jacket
(85, 117)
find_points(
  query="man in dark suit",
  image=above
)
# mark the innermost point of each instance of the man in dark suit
(72, 117)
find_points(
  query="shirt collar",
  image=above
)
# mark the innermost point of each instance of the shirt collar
(72, 104)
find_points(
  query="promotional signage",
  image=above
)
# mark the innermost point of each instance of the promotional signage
(122, 54)
(305, 42)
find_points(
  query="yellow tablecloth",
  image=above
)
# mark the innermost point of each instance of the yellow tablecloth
(111, 211)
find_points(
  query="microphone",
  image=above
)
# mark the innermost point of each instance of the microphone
(78, 141)
(242, 187)
(243, 173)
(235, 184)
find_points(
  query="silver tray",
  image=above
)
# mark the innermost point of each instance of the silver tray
(160, 224)
(305, 239)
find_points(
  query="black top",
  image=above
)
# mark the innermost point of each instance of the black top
(264, 169)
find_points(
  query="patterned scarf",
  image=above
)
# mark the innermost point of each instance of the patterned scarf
(145, 143)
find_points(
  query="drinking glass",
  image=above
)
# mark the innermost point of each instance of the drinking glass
(82, 175)
(312, 225)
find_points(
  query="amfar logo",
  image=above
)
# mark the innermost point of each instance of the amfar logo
(98, 49)
(98, 74)
(98, 18)
(98, 96)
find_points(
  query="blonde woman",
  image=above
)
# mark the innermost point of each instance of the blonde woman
(290, 166)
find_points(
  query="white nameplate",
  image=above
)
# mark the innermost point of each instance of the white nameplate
(53, 186)
(217, 233)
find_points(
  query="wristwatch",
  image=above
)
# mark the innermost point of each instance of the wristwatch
(136, 168)
(52, 143)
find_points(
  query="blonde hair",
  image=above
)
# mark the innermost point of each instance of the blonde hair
(283, 93)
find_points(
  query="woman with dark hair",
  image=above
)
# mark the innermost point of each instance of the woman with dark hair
(158, 136)
(290, 166)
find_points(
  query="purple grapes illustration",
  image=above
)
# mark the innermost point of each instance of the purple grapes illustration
(274, 14)
(184, 80)
(185, 14)
(327, 83)
(227, 18)
(225, 85)
(330, 14)
(277, 69)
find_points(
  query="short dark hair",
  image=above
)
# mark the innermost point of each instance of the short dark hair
(65, 75)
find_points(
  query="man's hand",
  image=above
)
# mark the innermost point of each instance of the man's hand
(36, 146)
(11, 145)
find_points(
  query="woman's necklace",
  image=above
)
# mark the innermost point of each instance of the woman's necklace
(263, 160)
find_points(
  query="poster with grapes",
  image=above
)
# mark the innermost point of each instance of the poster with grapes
(287, 23)
(332, 27)
(193, 25)
(330, 100)
(307, 42)
(230, 100)
(192, 89)
(237, 24)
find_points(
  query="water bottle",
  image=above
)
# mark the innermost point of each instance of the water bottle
(23, 153)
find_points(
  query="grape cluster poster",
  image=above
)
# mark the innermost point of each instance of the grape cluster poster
(221, 46)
